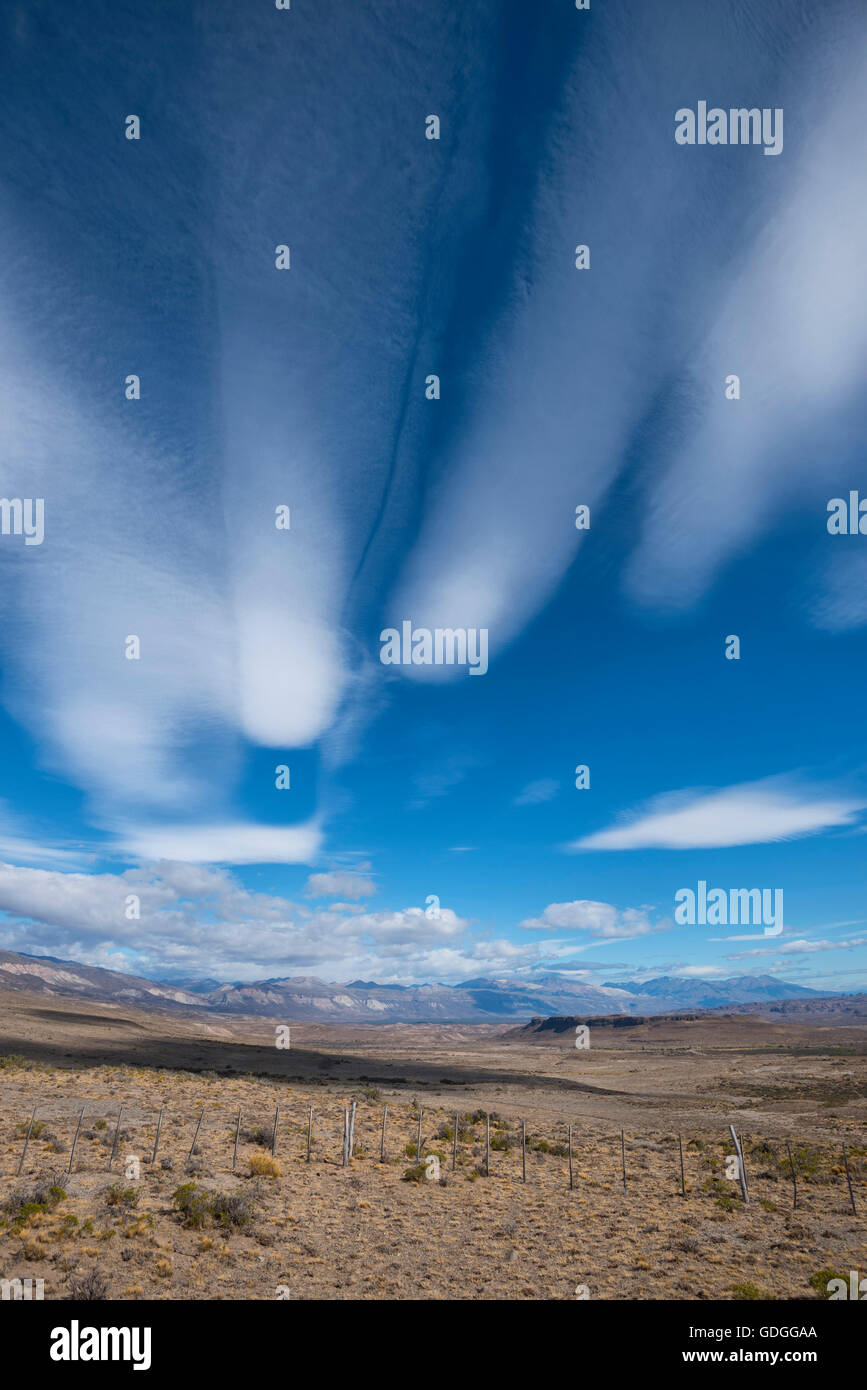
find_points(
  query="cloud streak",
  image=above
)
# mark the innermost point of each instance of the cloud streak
(753, 813)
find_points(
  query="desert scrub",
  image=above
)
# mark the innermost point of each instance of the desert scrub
(543, 1146)
(34, 1201)
(821, 1279)
(264, 1166)
(142, 1222)
(232, 1209)
(91, 1286)
(193, 1204)
(117, 1196)
(720, 1189)
(446, 1131)
(259, 1134)
(36, 1131)
(749, 1290)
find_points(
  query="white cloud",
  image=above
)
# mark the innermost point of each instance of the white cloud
(196, 920)
(751, 813)
(603, 920)
(747, 463)
(340, 883)
(239, 843)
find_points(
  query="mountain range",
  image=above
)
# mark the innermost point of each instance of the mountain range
(305, 998)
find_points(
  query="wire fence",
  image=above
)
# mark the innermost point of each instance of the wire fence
(129, 1139)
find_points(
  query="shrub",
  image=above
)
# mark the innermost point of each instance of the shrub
(37, 1129)
(90, 1287)
(39, 1198)
(264, 1166)
(118, 1196)
(751, 1291)
(261, 1134)
(822, 1278)
(193, 1204)
(232, 1209)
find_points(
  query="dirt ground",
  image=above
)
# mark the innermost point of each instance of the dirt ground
(194, 1228)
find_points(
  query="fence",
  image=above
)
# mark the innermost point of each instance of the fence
(318, 1134)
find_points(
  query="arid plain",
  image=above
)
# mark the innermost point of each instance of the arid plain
(277, 1226)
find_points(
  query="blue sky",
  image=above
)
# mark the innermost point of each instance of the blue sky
(306, 388)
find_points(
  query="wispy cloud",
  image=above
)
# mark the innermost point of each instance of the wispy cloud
(227, 843)
(536, 792)
(751, 813)
(747, 463)
(801, 947)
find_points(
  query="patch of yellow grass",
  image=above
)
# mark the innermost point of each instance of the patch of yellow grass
(264, 1166)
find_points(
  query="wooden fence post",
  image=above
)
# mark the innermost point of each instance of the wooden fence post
(742, 1172)
(237, 1137)
(848, 1178)
(623, 1158)
(75, 1140)
(352, 1129)
(26, 1141)
(274, 1131)
(418, 1137)
(345, 1135)
(382, 1139)
(794, 1176)
(116, 1137)
(309, 1132)
(682, 1178)
(455, 1143)
(196, 1136)
(157, 1137)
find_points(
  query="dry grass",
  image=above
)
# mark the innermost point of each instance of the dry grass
(365, 1231)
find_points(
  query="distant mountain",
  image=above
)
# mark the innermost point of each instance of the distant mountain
(48, 975)
(672, 992)
(304, 998)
